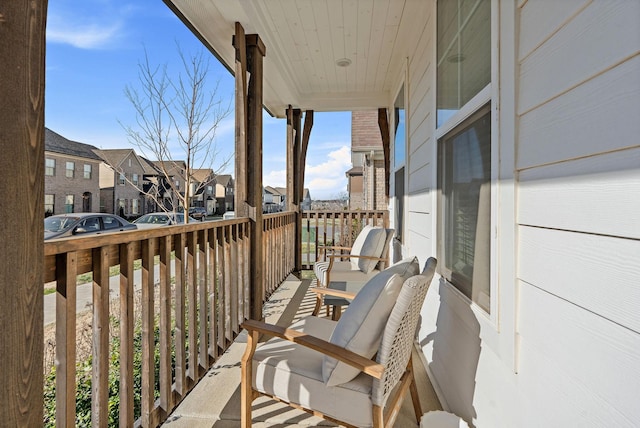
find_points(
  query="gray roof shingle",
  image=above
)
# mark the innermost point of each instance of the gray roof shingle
(56, 143)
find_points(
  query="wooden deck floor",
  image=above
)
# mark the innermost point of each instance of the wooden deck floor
(215, 401)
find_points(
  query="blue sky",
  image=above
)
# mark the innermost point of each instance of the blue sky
(93, 50)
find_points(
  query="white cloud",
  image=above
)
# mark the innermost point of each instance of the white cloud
(325, 180)
(93, 36)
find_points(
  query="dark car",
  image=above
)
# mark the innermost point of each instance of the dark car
(198, 213)
(83, 224)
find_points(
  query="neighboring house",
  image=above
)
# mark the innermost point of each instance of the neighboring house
(512, 130)
(224, 193)
(367, 158)
(355, 188)
(272, 199)
(203, 189)
(121, 182)
(176, 173)
(71, 175)
(305, 205)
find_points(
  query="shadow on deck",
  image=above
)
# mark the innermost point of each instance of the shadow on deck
(215, 401)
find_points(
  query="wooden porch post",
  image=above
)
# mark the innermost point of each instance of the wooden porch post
(240, 195)
(22, 49)
(301, 157)
(249, 55)
(383, 124)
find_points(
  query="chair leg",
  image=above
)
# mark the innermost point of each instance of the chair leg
(246, 386)
(378, 417)
(316, 309)
(413, 389)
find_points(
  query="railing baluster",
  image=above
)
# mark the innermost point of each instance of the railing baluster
(180, 333)
(148, 330)
(202, 293)
(228, 267)
(213, 293)
(233, 276)
(126, 334)
(192, 367)
(165, 324)
(221, 303)
(65, 361)
(100, 369)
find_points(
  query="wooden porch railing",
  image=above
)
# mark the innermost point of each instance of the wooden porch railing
(194, 296)
(279, 249)
(334, 228)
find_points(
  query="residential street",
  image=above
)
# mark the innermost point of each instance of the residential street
(84, 295)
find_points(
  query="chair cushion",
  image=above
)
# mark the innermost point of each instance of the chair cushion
(361, 326)
(294, 373)
(341, 271)
(370, 243)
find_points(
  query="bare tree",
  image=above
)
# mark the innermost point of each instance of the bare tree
(176, 123)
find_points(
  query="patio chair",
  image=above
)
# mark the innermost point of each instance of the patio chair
(367, 257)
(326, 368)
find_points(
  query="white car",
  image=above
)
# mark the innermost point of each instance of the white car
(159, 219)
(228, 215)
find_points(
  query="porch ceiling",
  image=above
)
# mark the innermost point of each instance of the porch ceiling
(305, 38)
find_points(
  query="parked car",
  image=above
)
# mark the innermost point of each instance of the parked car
(160, 219)
(84, 224)
(228, 215)
(198, 213)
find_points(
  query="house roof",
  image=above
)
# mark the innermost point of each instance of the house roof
(224, 179)
(305, 41)
(114, 157)
(356, 170)
(202, 175)
(56, 143)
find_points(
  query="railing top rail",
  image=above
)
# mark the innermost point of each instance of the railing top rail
(65, 245)
(276, 215)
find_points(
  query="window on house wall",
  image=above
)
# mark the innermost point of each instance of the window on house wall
(49, 205)
(87, 172)
(121, 207)
(399, 154)
(68, 204)
(70, 169)
(121, 180)
(464, 53)
(135, 179)
(464, 147)
(134, 206)
(49, 167)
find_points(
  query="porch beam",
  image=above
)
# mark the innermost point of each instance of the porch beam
(383, 124)
(22, 67)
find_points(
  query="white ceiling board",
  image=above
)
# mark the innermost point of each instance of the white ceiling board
(303, 40)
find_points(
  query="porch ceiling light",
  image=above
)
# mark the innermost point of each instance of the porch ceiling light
(343, 62)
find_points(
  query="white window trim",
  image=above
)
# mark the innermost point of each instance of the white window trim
(498, 329)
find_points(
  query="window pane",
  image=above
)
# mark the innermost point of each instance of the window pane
(464, 53)
(464, 180)
(87, 171)
(70, 169)
(68, 204)
(399, 141)
(50, 167)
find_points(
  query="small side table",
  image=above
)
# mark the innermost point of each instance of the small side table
(338, 302)
(442, 419)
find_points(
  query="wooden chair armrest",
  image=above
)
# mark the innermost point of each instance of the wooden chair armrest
(361, 363)
(337, 256)
(333, 247)
(331, 292)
